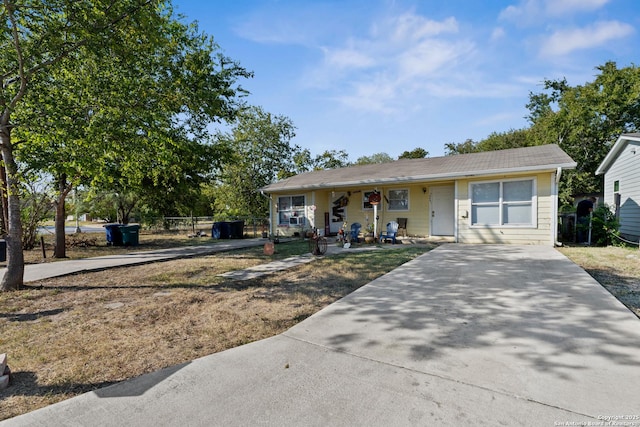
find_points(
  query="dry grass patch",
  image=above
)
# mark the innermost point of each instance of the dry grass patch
(616, 268)
(74, 334)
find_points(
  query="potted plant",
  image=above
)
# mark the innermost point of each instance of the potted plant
(369, 237)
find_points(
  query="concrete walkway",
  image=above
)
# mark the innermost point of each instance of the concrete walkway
(463, 335)
(48, 270)
(284, 264)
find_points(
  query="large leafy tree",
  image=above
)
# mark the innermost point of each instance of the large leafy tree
(513, 138)
(416, 153)
(586, 119)
(37, 36)
(329, 159)
(260, 152)
(118, 83)
(374, 159)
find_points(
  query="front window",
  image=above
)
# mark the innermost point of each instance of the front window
(503, 203)
(398, 200)
(291, 210)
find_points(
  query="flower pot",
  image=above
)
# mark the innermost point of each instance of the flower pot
(368, 239)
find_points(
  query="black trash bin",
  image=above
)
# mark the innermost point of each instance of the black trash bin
(236, 229)
(114, 235)
(130, 234)
(225, 230)
(3, 250)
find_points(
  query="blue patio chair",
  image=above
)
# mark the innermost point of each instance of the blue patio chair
(390, 234)
(355, 230)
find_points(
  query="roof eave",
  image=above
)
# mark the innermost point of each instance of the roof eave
(614, 152)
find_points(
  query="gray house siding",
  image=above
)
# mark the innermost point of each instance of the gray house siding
(622, 184)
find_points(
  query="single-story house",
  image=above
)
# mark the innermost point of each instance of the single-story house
(621, 170)
(505, 196)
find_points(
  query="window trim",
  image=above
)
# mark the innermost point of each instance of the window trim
(389, 208)
(302, 208)
(501, 204)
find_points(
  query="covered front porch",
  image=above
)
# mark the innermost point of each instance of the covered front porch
(422, 210)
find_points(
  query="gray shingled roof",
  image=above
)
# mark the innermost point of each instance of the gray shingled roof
(615, 150)
(538, 158)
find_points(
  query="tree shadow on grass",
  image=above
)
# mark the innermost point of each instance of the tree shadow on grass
(25, 317)
(26, 384)
(625, 288)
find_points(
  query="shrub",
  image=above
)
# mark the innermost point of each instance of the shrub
(603, 223)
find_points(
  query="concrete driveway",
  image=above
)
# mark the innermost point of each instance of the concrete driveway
(463, 335)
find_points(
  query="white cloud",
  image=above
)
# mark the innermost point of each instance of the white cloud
(414, 27)
(563, 7)
(526, 10)
(566, 41)
(498, 33)
(376, 95)
(532, 11)
(348, 58)
(430, 57)
(382, 70)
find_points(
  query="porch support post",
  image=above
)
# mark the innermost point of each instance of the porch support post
(375, 220)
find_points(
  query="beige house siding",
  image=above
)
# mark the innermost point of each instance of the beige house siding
(539, 234)
(418, 213)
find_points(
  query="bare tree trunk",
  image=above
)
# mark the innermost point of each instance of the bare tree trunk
(3, 198)
(60, 247)
(14, 276)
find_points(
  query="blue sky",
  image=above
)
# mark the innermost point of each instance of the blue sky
(369, 76)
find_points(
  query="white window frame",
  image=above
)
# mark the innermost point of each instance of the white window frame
(389, 204)
(292, 215)
(501, 204)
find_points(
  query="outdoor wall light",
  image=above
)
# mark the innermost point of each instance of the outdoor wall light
(424, 190)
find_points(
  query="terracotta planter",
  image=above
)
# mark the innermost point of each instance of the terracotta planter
(368, 239)
(269, 248)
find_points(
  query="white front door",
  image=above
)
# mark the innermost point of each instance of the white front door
(338, 211)
(441, 202)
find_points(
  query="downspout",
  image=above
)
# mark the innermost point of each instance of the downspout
(554, 193)
(270, 212)
(456, 211)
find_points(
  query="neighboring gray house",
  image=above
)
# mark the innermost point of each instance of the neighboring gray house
(621, 170)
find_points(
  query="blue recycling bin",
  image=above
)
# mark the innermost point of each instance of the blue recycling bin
(114, 234)
(221, 230)
(215, 230)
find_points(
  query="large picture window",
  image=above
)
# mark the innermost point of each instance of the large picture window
(509, 203)
(291, 210)
(398, 200)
